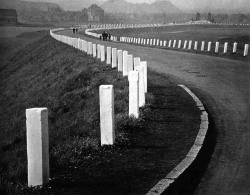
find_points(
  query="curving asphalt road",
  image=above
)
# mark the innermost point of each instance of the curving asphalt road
(223, 86)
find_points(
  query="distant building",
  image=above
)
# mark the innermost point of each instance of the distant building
(95, 13)
(8, 16)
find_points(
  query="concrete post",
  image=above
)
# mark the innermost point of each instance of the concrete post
(235, 47)
(98, 51)
(195, 45)
(102, 53)
(141, 86)
(90, 48)
(174, 43)
(125, 63)
(119, 54)
(144, 42)
(209, 46)
(133, 93)
(130, 63)
(108, 55)
(246, 50)
(151, 41)
(202, 45)
(216, 47)
(154, 42)
(37, 146)
(147, 41)
(164, 43)
(161, 43)
(139, 40)
(190, 45)
(145, 75)
(157, 43)
(114, 57)
(107, 125)
(185, 44)
(179, 44)
(169, 43)
(94, 50)
(225, 47)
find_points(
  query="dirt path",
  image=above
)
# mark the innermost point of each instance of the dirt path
(223, 87)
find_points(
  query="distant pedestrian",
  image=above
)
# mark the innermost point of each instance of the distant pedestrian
(74, 30)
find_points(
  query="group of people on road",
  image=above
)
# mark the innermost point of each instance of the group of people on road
(75, 30)
(105, 36)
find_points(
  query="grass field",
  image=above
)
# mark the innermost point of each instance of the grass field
(42, 72)
(230, 34)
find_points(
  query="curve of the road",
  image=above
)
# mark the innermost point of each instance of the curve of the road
(223, 86)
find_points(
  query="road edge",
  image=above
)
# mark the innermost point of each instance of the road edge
(166, 182)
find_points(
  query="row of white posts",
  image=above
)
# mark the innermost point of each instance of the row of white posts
(187, 44)
(37, 118)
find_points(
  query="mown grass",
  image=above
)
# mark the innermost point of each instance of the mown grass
(46, 73)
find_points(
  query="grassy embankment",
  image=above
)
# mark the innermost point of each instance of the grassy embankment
(42, 72)
(222, 34)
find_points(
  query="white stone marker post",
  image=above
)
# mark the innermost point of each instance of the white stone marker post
(195, 45)
(161, 43)
(94, 50)
(164, 43)
(246, 50)
(125, 63)
(144, 64)
(108, 55)
(137, 61)
(151, 41)
(179, 44)
(209, 46)
(114, 57)
(225, 47)
(190, 45)
(169, 43)
(141, 86)
(130, 63)
(133, 78)
(202, 45)
(216, 47)
(185, 44)
(106, 93)
(119, 54)
(102, 53)
(37, 146)
(158, 41)
(174, 43)
(147, 41)
(235, 47)
(98, 51)
(90, 48)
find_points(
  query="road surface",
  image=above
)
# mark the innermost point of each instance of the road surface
(223, 85)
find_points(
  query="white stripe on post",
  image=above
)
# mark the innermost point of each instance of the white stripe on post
(119, 54)
(133, 93)
(107, 125)
(125, 63)
(37, 146)
(114, 57)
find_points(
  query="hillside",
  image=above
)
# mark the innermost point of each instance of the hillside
(122, 6)
(28, 6)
